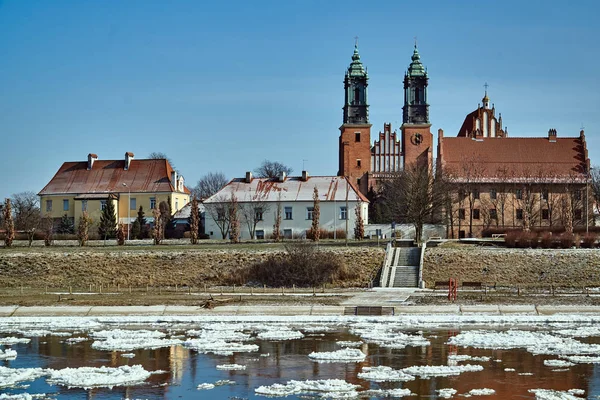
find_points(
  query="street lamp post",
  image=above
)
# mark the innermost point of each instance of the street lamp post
(128, 209)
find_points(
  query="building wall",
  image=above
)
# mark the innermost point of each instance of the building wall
(417, 151)
(531, 202)
(329, 218)
(178, 200)
(351, 151)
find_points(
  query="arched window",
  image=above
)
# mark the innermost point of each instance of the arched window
(417, 96)
(356, 95)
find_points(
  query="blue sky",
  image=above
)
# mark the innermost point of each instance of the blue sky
(221, 86)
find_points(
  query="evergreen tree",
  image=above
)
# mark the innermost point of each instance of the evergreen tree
(108, 221)
(136, 231)
(66, 225)
(314, 232)
(169, 222)
(141, 224)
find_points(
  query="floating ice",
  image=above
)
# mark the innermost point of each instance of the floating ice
(127, 340)
(218, 334)
(327, 387)
(283, 334)
(205, 386)
(224, 382)
(526, 373)
(220, 347)
(344, 355)
(347, 343)
(7, 341)
(446, 393)
(74, 340)
(584, 359)
(426, 371)
(558, 363)
(8, 354)
(12, 376)
(387, 336)
(231, 367)
(579, 392)
(383, 374)
(482, 392)
(465, 357)
(509, 370)
(22, 396)
(128, 355)
(582, 331)
(386, 393)
(89, 377)
(316, 328)
(36, 333)
(547, 394)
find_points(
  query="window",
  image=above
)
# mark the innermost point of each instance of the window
(287, 233)
(356, 95)
(475, 193)
(132, 205)
(65, 205)
(260, 234)
(519, 194)
(357, 136)
(493, 213)
(176, 204)
(476, 213)
(544, 194)
(309, 212)
(519, 213)
(152, 203)
(578, 215)
(461, 194)
(461, 213)
(493, 194)
(417, 96)
(358, 163)
(288, 212)
(358, 182)
(102, 204)
(83, 205)
(577, 194)
(258, 215)
(343, 212)
(545, 213)
(48, 205)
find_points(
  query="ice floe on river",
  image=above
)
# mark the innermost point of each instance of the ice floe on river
(547, 394)
(384, 374)
(426, 371)
(127, 340)
(344, 355)
(89, 377)
(8, 354)
(12, 376)
(231, 367)
(281, 334)
(329, 387)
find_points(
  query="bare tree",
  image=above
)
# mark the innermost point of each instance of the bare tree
(314, 231)
(272, 169)
(277, 224)
(502, 188)
(83, 229)
(48, 228)
(27, 213)
(359, 224)
(9, 225)
(415, 197)
(209, 184)
(594, 182)
(157, 155)
(253, 212)
(218, 210)
(194, 220)
(234, 220)
(158, 226)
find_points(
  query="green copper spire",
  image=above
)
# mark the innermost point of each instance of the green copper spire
(356, 67)
(416, 68)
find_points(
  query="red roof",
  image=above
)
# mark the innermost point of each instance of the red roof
(108, 176)
(520, 157)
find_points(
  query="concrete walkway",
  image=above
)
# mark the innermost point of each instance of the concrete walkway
(484, 309)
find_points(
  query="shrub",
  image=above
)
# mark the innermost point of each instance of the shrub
(546, 240)
(120, 234)
(567, 240)
(511, 239)
(528, 240)
(589, 240)
(303, 264)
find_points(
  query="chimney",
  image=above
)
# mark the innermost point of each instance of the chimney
(128, 158)
(248, 177)
(174, 179)
(304, 176)
(440, 133)
(552, 135)
(282, 177)
(91, 158)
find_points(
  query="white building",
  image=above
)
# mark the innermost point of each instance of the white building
(259, 199)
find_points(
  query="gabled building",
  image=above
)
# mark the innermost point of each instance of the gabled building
(260, 199)
(502, 183)
(129, 183)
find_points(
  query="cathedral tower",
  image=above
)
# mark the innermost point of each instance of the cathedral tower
(355, 132)
(417, 140)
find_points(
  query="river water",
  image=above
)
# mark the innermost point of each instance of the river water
(178, 369)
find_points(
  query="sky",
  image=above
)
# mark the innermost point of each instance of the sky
(224, 85)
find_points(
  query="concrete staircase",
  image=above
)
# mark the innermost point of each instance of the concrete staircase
(401, 267)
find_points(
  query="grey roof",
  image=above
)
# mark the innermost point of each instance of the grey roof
(185, 212)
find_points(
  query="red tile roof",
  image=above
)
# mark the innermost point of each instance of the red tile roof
(521, 157)
(108, 176)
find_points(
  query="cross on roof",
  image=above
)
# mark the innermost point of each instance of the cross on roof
(486, 86)
(415, 41)
(355, 41)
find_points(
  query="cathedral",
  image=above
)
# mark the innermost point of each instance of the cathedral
(497, 183)
(365, 163)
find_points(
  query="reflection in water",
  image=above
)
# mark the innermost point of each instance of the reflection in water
(279, 362)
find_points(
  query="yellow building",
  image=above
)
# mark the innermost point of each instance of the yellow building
(80, 186)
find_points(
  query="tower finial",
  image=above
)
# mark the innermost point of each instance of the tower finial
(486, 99)
(415, 42)
(356, 41)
